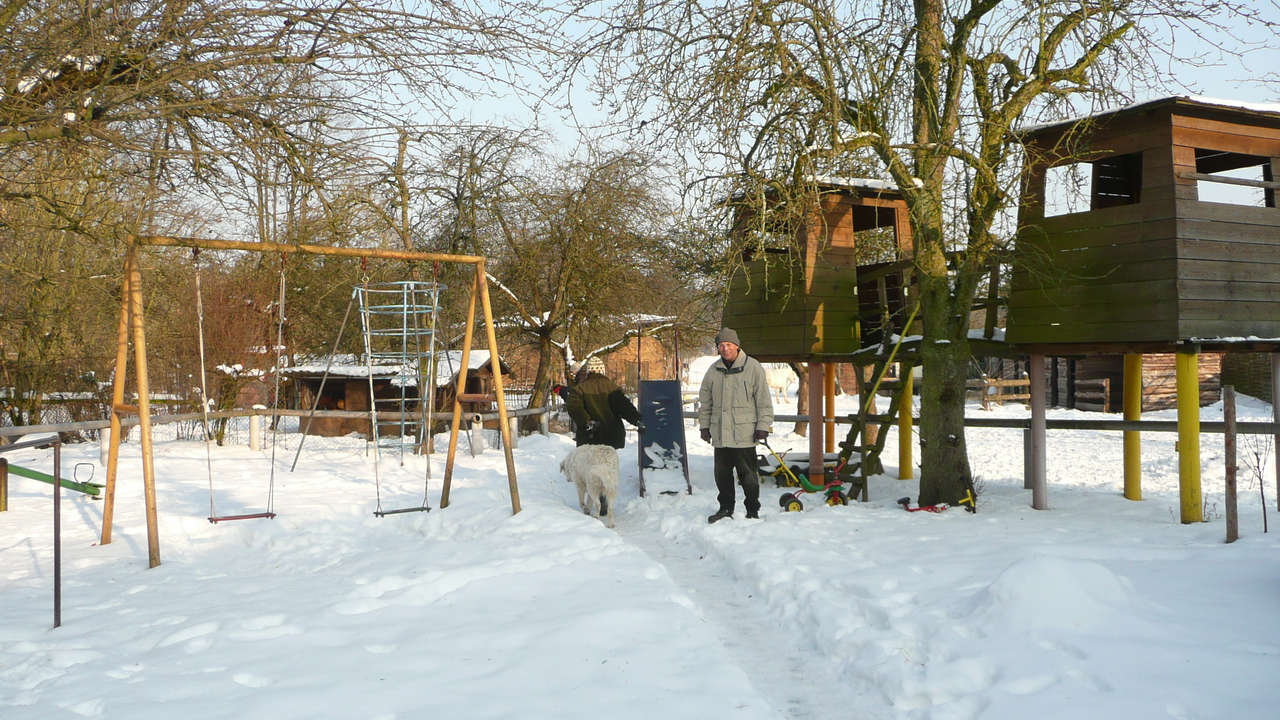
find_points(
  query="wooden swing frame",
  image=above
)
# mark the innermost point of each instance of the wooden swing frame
(132, 327)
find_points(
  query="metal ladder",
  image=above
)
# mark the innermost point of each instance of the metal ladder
(399, 322)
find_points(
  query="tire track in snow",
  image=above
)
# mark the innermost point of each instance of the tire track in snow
(783, 665)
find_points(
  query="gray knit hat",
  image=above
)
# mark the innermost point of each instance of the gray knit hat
(728, 335)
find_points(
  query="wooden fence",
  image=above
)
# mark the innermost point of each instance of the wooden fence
(1091, 395)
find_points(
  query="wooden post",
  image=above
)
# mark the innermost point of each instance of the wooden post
(1039, 493)
(829, 405)
(4, 484)
(117, 404)
(1071, 383)
(458, 391)
(255, 431)
(1053, 382)
(639, 358)
(138, 325)
(906, 468)
(1133, 438)
(1189, 435)
(495, 362)
(1229, 450)
(817, 468)
(1027, 464)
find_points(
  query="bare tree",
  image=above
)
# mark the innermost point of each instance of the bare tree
(770, 93)
(578, 248)
(213, 86)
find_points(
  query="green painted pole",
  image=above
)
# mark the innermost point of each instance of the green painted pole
(86, 488)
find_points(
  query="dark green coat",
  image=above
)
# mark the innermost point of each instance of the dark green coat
(597, 398)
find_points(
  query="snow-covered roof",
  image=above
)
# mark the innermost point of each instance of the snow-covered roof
(856, 183)
(353, 366)
(836, 181)
(1201, 100)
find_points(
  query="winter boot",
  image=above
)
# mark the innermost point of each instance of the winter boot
(720, 515)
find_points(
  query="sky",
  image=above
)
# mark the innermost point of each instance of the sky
(1098, 605)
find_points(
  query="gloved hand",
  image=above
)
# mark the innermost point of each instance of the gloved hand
(706, 434)
(761, 435)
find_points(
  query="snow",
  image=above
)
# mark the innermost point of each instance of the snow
(352, 366)
(1099, 606)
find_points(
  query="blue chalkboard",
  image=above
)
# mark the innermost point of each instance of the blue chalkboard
(662, 444)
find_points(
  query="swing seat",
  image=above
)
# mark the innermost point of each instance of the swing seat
(384, 513)
(248, 516)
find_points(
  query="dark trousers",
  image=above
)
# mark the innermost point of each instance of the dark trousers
(744, 461)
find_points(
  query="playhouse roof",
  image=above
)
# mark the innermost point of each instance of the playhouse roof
(1269, 110)
(838, 182)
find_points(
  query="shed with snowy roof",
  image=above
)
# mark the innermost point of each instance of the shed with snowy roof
(344, 382)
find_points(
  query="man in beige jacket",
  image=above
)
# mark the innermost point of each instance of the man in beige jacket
(735, 412)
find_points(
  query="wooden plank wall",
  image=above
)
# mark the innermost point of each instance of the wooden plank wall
(1168, 268)
(1106, 275)
(1228, 255)
(1159, 378)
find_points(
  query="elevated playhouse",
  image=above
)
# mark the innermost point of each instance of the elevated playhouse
(1160, 260)
(819, 291)
(1155, 262)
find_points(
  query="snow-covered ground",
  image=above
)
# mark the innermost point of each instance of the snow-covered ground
(1099, 607)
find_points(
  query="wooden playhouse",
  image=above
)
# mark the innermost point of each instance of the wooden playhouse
(1159, 259)
(821, 287)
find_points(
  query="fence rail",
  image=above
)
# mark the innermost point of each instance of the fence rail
(386, 416)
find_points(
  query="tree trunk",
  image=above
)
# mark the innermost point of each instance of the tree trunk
(542, 381)
(944, 468)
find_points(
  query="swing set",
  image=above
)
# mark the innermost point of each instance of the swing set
(131, 329)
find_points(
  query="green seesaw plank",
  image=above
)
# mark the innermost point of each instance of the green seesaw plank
(86, 488)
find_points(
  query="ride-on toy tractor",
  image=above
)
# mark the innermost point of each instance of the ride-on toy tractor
(791, 476)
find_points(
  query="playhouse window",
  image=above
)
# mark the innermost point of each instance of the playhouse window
(1251, 170)
(1083, 186)
(1117, 180)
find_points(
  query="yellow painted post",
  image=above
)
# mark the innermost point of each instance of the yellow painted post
(1133, 438)
(1189, 437)
(905, 469)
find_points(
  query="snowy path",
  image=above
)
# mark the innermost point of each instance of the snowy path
(783, 665)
